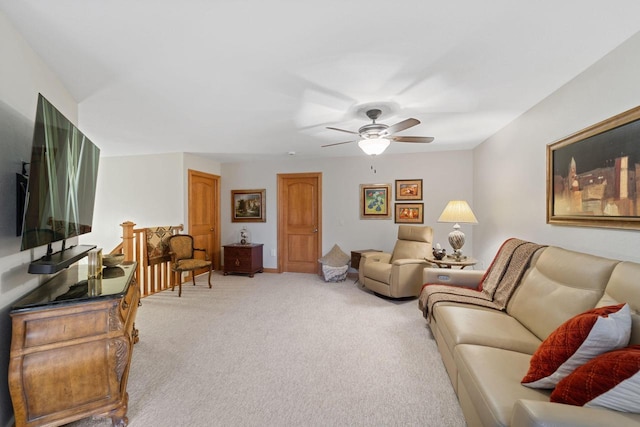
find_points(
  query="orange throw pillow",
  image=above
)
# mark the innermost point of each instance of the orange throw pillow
(577, 341)
(611, 380)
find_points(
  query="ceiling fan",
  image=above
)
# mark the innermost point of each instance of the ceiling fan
(376, 137)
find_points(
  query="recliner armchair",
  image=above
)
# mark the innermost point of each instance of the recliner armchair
(398, 274)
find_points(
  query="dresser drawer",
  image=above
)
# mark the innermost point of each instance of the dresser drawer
(69, 325)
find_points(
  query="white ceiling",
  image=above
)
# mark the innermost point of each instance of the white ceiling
(251, 79)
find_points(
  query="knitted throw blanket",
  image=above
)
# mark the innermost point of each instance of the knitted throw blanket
(497, 285)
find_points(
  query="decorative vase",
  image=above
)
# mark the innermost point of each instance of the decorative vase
(245, 236)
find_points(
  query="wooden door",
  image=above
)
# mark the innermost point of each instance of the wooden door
(204, 213)
(299, 222)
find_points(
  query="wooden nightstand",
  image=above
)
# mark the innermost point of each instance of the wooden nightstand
(245, 259)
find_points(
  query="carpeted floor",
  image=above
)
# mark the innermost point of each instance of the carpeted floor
(284, 350)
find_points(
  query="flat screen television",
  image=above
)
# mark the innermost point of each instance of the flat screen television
(61, 191)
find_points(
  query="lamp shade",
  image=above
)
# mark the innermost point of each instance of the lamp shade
(374, 146)
(458, 211)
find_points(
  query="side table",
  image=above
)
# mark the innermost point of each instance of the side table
(356, 255)
(447, 262)
(239, 258)
(355, 260)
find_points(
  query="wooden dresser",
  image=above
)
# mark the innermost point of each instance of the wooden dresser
(240, 258)
(71, 346)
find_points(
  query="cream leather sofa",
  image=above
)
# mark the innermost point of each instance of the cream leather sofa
(486, 352)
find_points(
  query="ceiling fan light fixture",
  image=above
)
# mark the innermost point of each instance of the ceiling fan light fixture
(373, 146)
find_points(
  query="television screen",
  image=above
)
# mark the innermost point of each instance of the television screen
(62, 180)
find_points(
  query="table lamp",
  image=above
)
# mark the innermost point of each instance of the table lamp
(457, 211)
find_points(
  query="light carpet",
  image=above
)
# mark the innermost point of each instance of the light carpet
(284, 350)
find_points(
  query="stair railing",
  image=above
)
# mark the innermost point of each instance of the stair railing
(153, 274)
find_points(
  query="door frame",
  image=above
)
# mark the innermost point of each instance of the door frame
(281, 236)
(215, 256)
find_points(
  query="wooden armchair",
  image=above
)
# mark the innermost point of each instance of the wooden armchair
(183, 259)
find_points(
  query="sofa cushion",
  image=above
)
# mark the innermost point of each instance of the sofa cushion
(611, 380)
(560, 285)
(459, 325)
(577, 341)
(489, 378)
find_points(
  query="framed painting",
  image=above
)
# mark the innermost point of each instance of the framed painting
(248, 206)
(408, 189)
(374, 201)
(409, 213)
(593, 176)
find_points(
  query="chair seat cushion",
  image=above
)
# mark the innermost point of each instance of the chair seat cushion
(191, 264)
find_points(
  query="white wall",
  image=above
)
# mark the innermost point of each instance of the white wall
(146, 190)
(510, 168)
(445, 175)
(22, 76)
(149, 190)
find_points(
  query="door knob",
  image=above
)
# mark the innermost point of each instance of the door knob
(315, 231)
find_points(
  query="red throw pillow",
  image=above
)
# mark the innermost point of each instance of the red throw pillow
(577, 341)
(611, 380)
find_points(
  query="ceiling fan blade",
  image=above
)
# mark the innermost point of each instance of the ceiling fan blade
(405, 124)
(342, 130)
(413, 138)
(337, 143)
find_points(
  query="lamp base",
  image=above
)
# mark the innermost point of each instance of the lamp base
(457, 256)
(456, 238)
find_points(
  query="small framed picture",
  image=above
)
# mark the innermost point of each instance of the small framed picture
(248, 206)
(409, 213)
(374, 201)
(408, 189)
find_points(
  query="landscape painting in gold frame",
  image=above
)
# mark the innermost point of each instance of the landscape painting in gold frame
(374, 201)
(593, 176)
(248, 206)
(408, 189)
(409, 213)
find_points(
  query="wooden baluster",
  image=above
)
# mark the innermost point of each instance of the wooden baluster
(127, 240)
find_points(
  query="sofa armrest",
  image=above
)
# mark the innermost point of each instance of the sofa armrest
(453, 277)
(533, 413)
